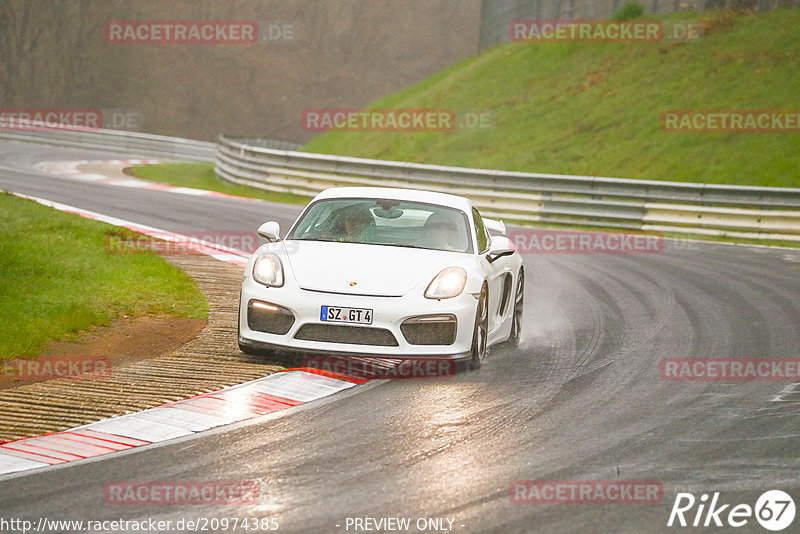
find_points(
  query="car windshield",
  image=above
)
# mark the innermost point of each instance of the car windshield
(385, 222)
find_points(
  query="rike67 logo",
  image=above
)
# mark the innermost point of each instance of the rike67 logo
(774, 510)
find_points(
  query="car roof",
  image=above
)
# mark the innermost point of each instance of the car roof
(396, 193)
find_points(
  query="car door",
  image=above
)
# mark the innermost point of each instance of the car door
(494, 272)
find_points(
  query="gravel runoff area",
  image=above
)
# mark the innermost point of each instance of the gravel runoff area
(208, 362)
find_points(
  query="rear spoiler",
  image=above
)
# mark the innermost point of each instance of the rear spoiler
(495, 226)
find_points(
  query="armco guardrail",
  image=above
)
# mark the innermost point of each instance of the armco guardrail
(676, 207)
(130, 143)
(268, 143)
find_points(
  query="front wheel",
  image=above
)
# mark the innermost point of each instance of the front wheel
(479, 335)
(247, 349)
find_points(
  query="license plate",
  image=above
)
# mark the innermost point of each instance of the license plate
(335, 314)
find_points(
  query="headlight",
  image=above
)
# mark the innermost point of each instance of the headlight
(268, 270)
(447, 284)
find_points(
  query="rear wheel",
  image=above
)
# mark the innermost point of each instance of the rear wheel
(516, 324)
(479, 335)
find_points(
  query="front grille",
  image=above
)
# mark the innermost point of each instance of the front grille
(356, 335)
(269, 318)
(430, 329)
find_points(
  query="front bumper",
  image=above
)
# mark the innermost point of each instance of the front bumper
(321, 353)
(386, 340)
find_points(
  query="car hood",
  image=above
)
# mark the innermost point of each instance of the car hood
(356, 269)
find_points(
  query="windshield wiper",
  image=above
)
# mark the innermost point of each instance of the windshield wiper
(334, 240)
(401, 245)
(328, 239)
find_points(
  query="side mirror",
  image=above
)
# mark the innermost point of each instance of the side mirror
(270, 231)
(499, 247)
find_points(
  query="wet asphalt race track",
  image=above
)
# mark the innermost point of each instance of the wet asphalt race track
(581, 399)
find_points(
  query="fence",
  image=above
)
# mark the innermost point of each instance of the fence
(676, 207)
(118, 141)
(586, 201)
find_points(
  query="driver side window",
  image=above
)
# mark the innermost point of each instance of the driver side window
(480, 231)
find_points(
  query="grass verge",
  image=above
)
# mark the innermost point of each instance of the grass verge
(202, 176)
(595, 108)
(58, 280)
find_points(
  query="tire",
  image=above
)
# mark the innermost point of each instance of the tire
(247, 349)
(516, 320)
(479, 335)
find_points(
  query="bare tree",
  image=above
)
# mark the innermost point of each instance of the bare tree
(21, 34)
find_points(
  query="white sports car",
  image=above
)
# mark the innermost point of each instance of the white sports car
(383, 272)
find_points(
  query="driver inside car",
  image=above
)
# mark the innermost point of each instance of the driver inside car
(357, 225)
